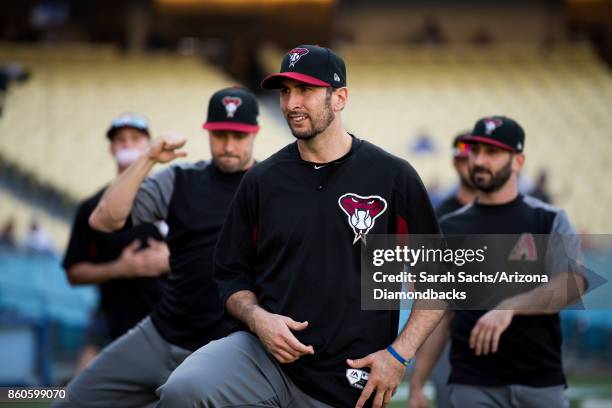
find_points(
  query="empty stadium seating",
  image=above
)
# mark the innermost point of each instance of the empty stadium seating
(36, 300)
(54, 124)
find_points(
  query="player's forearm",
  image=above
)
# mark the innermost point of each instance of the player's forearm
(116, 203)
(549, 298)
(420, 325)
(244, 306)
(84, 273)
(429, 353)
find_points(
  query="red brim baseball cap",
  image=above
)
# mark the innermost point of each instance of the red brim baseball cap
(312, 65)
(233, 109)
(498, 131)
(274, 81)
(231, 126)
(490, 141)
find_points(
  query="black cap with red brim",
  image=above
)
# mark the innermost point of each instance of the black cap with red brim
(312, 65)
(233, 109)
(498, 131)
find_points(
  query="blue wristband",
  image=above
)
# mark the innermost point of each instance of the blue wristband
(399, 358)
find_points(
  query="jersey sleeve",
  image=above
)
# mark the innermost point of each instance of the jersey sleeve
(80, 239)
(153, 197)
(563, 252)
(236, 246)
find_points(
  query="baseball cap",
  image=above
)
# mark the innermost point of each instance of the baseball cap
(312, 65)
(129, 120)
(499, 131)
(233, 109)
(460, 148)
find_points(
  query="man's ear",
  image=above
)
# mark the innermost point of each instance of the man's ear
(340, 99)
(518, 162)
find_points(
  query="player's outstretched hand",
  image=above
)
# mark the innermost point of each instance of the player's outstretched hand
(166, 148)
(488, 329)
(385, 376)
(274, 331)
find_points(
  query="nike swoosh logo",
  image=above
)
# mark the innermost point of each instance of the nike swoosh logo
(319, 167)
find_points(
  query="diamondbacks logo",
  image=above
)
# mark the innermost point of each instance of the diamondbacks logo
(362, 212)
(491, 125)
(524, 249)
(357, 378)
(295, 55)
(231, 104)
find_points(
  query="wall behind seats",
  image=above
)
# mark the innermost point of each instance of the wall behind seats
(510, 22)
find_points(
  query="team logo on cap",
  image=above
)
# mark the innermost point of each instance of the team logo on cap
(361, 212)
(295, 55)
(491, 125)
(231, 104)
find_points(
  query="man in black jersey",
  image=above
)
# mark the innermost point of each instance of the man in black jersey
(509, 356)
(288, 263)
(193, 199)
(466, 192)
(125, 264)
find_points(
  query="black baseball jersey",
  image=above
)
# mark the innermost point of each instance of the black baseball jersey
(530, 349)
(124, 302)
(193, 199)
(293, 236)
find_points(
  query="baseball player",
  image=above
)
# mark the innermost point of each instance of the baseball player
(288, 263)
(193, 200)
(125, 264)
(509, 356)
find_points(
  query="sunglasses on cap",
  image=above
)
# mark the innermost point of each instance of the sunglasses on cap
(461, 149)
